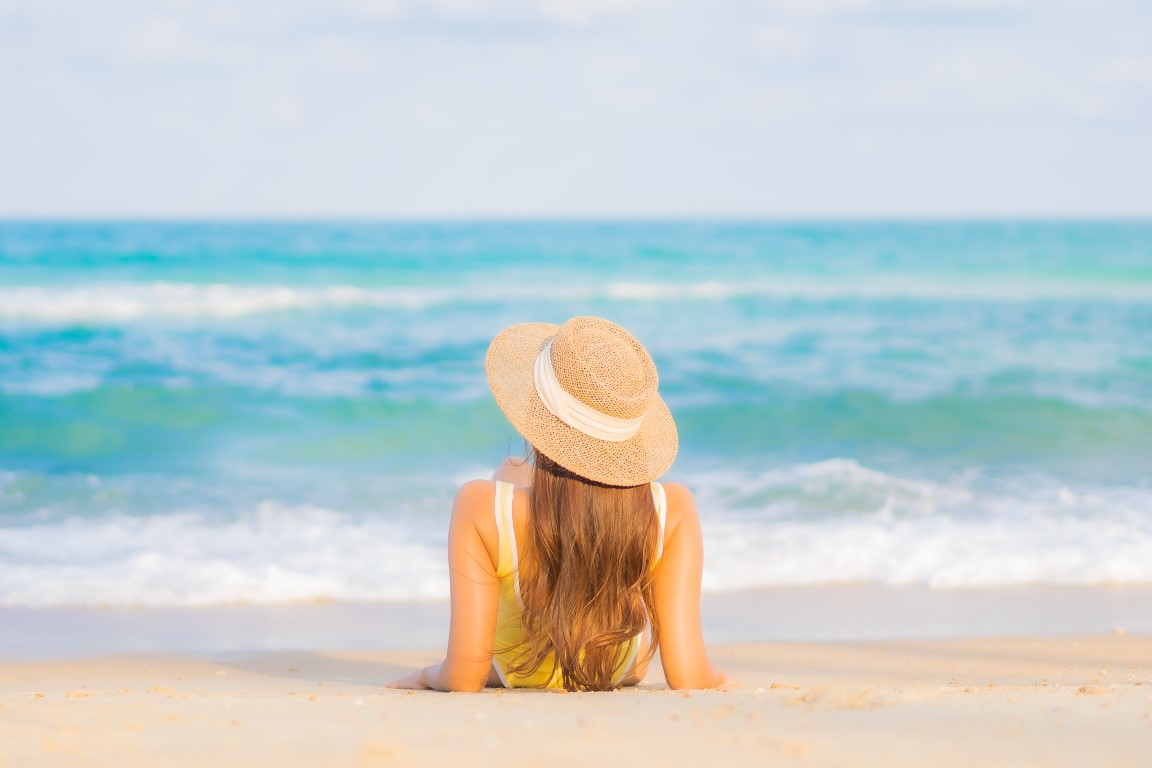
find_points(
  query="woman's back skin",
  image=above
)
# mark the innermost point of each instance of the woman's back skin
(473, 557)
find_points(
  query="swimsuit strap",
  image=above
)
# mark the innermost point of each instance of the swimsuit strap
(660, 499)
(505, 555)
(509, 557)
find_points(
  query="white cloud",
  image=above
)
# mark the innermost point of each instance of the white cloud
(377, 9)
(583, 12)
(430, 107)
(783, 41)
(343, 56)
(624, 80)
(827, 8)
(982, 85)
(1126, 70)
(16, 9)
(945, 5)
(816, 8)
(168, 40)
(568, 13)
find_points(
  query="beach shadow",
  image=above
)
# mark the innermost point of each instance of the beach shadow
(371, 671)
(368, 670)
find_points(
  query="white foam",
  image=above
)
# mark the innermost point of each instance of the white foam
(823, 523)
(1004, 288)
(275, 554)
(836, 521)
(134, 301)
(936, 551)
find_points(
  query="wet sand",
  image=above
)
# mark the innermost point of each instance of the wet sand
(844, 612)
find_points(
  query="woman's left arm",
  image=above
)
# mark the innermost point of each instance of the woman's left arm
(475, 596)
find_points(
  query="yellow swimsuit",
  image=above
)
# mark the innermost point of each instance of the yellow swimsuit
(510, 636)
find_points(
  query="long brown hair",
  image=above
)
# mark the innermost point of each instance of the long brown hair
(587, 574)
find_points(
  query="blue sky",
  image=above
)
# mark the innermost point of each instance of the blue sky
(617, 108)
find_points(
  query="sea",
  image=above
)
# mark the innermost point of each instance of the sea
(229, 412)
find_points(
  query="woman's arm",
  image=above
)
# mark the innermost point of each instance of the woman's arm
(474, 598)
(677, 594)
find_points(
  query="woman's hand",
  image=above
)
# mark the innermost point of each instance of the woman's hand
(414, 681)
(723, 681)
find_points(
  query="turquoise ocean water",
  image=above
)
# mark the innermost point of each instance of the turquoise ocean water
(260, 412)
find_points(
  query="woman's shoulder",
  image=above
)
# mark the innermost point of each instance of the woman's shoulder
(681, 505)
(678, 495)
(475, 490)
(475, 499)
(474, 508)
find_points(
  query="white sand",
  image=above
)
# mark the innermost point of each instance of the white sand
(1051, 701)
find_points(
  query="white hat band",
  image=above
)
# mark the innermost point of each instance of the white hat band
(573, 412)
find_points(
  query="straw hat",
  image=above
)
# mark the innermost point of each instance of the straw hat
(584, 395)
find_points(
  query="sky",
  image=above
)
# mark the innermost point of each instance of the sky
(575, 108)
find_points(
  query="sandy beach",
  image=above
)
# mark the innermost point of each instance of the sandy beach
(1012, 701)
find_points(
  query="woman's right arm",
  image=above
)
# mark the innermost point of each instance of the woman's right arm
(677, 595)
(475, 598)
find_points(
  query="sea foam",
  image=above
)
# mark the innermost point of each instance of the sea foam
(824, 523)
(122, 302)
(275, 554)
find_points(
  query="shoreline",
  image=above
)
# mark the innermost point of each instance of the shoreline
(1054, 701)
(835, 613)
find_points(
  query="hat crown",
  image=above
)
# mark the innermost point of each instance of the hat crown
(584, 394)
(605, 367)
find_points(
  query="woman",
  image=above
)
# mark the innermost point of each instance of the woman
(570, 571)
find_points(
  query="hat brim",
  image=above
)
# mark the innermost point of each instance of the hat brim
(635, 461)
